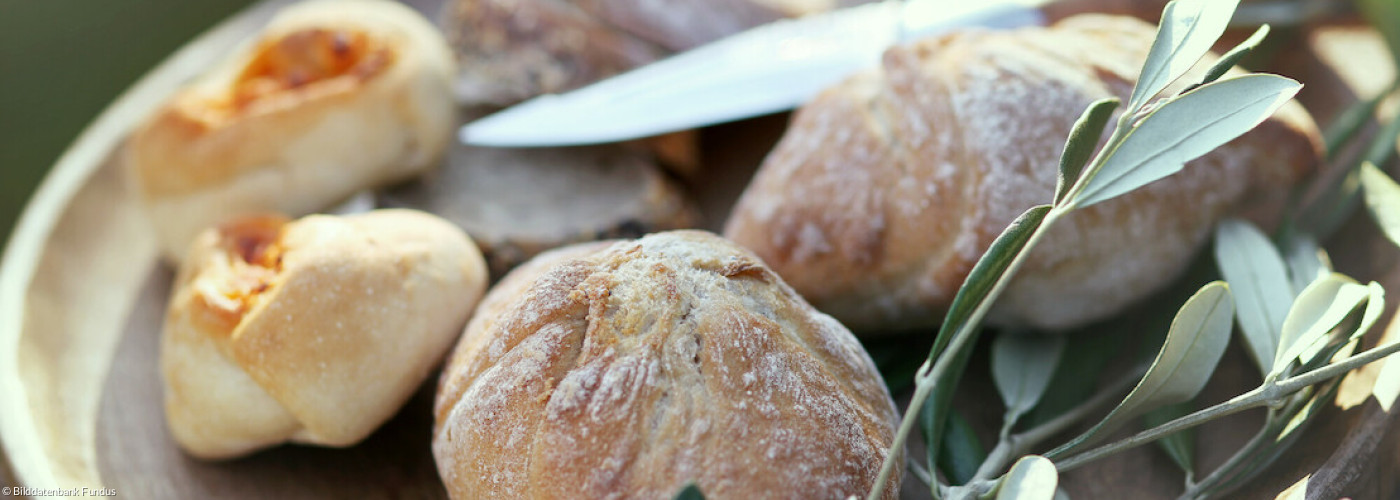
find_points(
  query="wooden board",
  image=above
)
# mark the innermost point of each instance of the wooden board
(82, 298)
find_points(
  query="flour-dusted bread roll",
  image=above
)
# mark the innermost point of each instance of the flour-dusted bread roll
(331, 98)
(888, 187)
(625, 370)
(313, 331)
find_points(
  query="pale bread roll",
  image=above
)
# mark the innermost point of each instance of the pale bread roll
(624, 370)
(888, 187)
(331, 98)
(314, 331)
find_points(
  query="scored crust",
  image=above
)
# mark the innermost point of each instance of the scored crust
(625, 370)
(314, 331)
(331, 98)
(888, 187)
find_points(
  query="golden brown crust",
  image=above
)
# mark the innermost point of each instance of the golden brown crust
(331, 98)
(315, 330)
(889, 186)
(624, 370)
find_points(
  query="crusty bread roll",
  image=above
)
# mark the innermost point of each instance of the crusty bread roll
(331, 98)
(511, 50)
(518, 202)
(888, 187)
(625, 370)
(313, 331)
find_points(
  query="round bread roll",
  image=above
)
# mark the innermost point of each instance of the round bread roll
(331, 98)
(314, 331)
(888, 187)
(626, 370)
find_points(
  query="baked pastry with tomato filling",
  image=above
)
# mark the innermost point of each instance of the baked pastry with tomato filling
(312, 331)
(331, 98)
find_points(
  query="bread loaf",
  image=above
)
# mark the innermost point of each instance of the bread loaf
(625, 370)
(888, 187)
(313, 331)
(329, 99)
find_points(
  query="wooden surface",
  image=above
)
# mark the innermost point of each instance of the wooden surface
(82, 297)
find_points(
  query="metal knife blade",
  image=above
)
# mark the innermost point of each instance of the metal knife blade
(763, 70)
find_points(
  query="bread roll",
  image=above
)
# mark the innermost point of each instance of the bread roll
(625, 370)
(314, 331)
(516, 203)
(888, 187)
(331, 98)
(511, 50)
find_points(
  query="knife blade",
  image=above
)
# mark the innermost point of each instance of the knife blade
(770, 68)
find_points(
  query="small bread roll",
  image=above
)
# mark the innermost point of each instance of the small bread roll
(314, 331)
(888, 187)
(625, 370)
(333, 97)
(518, 202)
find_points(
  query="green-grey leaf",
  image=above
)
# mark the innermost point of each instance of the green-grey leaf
(1083, 138)
(1231, 58)
(1306, 261)
(690, 492)
(1197, 339)
(960, 452)
(1387, 386)
(1375, 305)
(1383, 146)
(1259, 281)
(989, 269)
(1187, 31)
(1180, 446)
(1185, 127)
(1316, 311)
(1022, 366)
(1033, 477)
(1345, 126)
(1382, 200)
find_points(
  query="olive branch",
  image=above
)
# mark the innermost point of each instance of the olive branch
(1300, 321)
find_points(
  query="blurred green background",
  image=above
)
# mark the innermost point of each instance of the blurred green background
(63, 61)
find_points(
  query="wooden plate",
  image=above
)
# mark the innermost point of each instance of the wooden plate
(82, 297)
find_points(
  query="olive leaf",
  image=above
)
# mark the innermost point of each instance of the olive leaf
(1184, 128)
(1349, 123)
(1181, 446)
(689, 492)
(1079, 148)
(1320, 308)
(1382, 200)
(1387, 386)
(1259, 280)
(960, 454)
(1194, 345)
(1022, 366)
(1233, 57)
(990, 268)
(1187, 31)
(1306, 261)
(1078, 373)
(1033, 477)
(1383, 146)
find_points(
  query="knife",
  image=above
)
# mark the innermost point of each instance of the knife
(770, 68)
